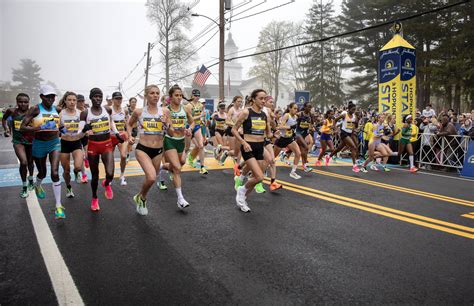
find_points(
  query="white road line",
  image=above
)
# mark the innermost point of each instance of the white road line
(7, 150)
(63, 284)
(435, 174)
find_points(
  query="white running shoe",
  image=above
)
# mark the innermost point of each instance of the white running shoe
(294, 175)
(69, 193)
(240, 199)
(374, 167)
(123, 182)
(182, 203)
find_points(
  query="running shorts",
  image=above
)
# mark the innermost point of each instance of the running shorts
(115, 141)
(173, 144)
(257, 151)
(99, 147)
(283, 142)
(405, 141)
(84, 141)
(221, 132)
(70, 146)
(42, 148)
(151, 152)
(345, 134)
(325, 137)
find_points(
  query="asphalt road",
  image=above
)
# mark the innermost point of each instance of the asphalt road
(332, 237)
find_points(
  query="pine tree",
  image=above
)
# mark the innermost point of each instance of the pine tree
(29, 78)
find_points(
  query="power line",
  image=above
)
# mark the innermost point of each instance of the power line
(133, 69)
(264, 11)
(354, 31)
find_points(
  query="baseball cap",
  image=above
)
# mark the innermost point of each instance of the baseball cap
(222, 104)
(202, 100)
(196, 93)
(116, 95)
(80, 98)
(47, 90)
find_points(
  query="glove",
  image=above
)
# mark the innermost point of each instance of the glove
(49, 125)
(86, 128)
(62, 130)
(119, 138)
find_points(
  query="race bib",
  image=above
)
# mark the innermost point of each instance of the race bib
(17, 124)
(71, 126)
(120, 125)
(220, 125)
(304, 125)
(100, 126)
(152, 126)
(258, 126)
(177, 123)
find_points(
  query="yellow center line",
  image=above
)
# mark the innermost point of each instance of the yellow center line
(398, 188)
(469, 215)
(375, 206)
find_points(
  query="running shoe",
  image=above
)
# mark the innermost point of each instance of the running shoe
(386, 169)
(363, 170)
(240, 199)
(59, 213)
(24, 192)
(237, 182)
(295, 175)
(171, 175)
(203, 171)
(141, 205)
(236, 169)
(109, 194)
(217, 151)
(40, 193)
(31, 186)
(223, 158)
(123, 182)
(127, 158)
(327, 159)
(307, 168)
(86, 163)
(69, 193)
(190, 160)
(355, 168)
(374, 167)
(161, 185)
(275, 186)
(78, 179)
(84, 178)
(182, 203)
(95, 204)
(282, 156)
(259, 188)
(318, 163)
(413, 169)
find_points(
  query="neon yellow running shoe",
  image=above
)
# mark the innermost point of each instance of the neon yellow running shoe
(40, 193)
(238, 182)
(59, 213)
(259, 188)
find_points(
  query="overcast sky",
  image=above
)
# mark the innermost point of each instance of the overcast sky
(80, 44)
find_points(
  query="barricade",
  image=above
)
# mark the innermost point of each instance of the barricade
(444, 151)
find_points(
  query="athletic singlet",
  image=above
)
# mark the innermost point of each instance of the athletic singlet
(151, 124)
(178, 120)
(255, 124)
(220, 122)
(100, 123)
(303, 122)
(378, 130)
(347, 122)
(15, 123)
(327, 127)
(406, 132)
(292, 123)
(236, 114)
(44, 116)
(196, 111)
(70, 122)
(119, 119)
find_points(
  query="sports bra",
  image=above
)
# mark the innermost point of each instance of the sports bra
(151, 124)
(255, 124)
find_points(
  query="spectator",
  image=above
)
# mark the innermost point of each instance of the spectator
(429, 111)
(447, 128)
(467, 129)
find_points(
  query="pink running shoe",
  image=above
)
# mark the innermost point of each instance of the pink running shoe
(355, 169)
(95, 205)
(86, 163)
(84, 178)
(109, 194)
(327, 158)
(318, 163)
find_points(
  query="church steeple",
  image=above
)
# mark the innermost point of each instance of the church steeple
(232, 68)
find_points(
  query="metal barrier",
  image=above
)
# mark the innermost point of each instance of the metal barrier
(445, 151)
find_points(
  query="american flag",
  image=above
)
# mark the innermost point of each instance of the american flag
(201, 76)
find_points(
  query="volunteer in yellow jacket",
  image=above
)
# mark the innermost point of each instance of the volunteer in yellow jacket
(255, 127)
(149, 150)
(177, 118)
(44, 119)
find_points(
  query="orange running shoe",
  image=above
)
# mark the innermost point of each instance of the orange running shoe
(236, 169)
(413, 169)
(109, 194)
(275, 186)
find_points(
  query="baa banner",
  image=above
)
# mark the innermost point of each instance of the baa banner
(408, 81)
(301, 97)
(389, 81)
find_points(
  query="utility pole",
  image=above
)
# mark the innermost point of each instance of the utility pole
(148, 59)
(221, 49)
(322, 59)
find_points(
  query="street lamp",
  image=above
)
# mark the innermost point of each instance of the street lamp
(221, 45)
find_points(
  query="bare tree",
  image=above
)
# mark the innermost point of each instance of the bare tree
(171, 17)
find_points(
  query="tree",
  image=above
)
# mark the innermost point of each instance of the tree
(297, 59)
(324, 60)
(171, 16)
(28, 78)
(268, 66)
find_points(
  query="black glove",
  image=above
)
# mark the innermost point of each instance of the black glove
(86, 128)
(119, 138)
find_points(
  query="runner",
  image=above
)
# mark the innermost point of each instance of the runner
(405, 142)
(132, 104)
(220, 118)
(327, 129)
(269, 153)
(303, 137)
(44, 119)
(255, 125)
(98, 123)
(287, 126)
(22, 141)
(196, 109)
(120, 118)
(232, 115)
(81, 106)
(177, 117)
(69, 119)
(348, 124)
(148, 152)
(376, 148)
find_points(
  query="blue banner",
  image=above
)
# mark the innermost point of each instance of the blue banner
(301, 97)
(468, 165)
